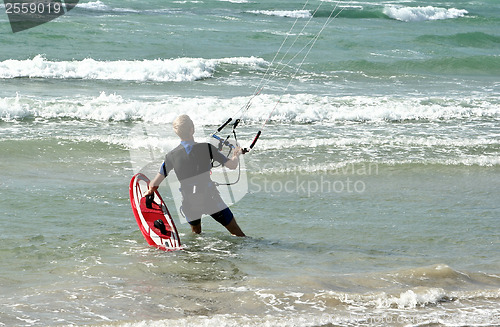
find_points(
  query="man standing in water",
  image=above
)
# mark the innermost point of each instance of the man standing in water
(192, 163)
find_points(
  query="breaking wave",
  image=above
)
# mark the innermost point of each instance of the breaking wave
(418, 14)
(283, 13)
(211, 110)
(158, 70)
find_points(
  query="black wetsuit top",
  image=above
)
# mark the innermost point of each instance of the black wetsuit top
(192, 162)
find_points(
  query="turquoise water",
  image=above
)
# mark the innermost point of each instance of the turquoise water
(370, 199)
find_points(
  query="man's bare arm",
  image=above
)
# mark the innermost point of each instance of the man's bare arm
(154, 184)
(235, 160)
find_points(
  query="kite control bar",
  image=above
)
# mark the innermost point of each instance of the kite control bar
(225, 141)
(221, 127)
(245, 150)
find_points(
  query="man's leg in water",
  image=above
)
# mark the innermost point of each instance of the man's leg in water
(234, 229)
(196, 229)
(225, 218)
(195, 226)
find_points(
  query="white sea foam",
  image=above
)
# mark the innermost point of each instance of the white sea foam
(411, 298)
(235, 1)
(450, 148)
(158, 70)
(403, 141)
(356, 317)
(283, 13)
(306, 108)
(101, 6)
(417, 14)
(211, 110)
(230, 321)
(94, 5)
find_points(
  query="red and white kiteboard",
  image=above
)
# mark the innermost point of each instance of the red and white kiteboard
(146, 217)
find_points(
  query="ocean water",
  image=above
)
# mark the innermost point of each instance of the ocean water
(371, 198)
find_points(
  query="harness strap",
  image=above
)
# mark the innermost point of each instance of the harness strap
(211, 156)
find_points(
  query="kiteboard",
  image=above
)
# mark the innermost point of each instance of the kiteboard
(152, 216)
